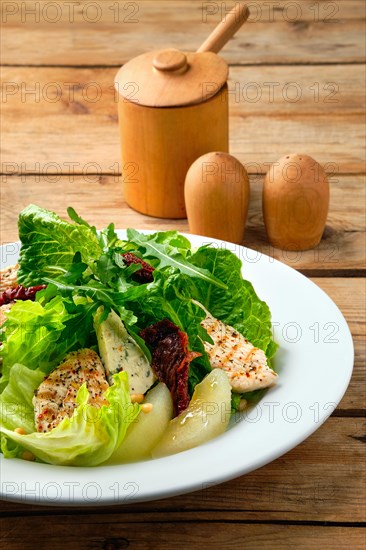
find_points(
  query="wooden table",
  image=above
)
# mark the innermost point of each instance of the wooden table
(297, 83)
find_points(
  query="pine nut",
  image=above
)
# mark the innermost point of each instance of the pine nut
(27, 455)
(243, 403)
(20, 431)
(147, 407)
(137, 397)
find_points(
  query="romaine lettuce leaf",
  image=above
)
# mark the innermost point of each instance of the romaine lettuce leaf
(49, 245)
(88, 438)
(107, 238)
(238, 305)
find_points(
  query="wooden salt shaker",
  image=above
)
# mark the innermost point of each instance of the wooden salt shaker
(217, 197)
(173, 108)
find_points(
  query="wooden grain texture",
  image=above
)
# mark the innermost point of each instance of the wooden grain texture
(278, 32)
(256, 90)
(320, 480)
(150, 80)
(350, 297)
(65, 119)
(166, 535)
(100, 200)
(160, 145)
(287, 91)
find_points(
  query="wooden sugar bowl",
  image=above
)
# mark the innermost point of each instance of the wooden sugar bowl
(173, 108)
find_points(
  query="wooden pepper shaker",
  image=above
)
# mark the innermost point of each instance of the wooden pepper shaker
(217, 197)
(295, 202)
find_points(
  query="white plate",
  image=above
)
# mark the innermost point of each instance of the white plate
(314, 362)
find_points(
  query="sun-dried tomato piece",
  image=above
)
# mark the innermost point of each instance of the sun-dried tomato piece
(171, 359)
(143, 275)
(19, 293)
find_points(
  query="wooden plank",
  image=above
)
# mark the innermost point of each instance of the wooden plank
(100, 200)
(80, 34)
(288, 91)
(321, 480)
(257, 90)
(168, 535)
(65, 119)
(263, 139)
(350, 297)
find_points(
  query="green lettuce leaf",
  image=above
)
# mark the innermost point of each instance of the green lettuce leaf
(40, 335)
(107, 237)
(238, 305)
(16, 408)
(83, 264)
(50, 243)
(9, 448)
(88, 438)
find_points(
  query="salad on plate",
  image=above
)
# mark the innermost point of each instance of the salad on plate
(115, 349)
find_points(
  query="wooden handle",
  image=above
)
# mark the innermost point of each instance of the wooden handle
(226, 29)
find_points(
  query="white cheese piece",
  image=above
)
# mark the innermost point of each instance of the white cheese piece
(120, 352)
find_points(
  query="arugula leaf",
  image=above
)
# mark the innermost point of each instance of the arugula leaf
(170, 256)
(99, 294)
(49, 245)
(112, 271)
(74, 216)
(77, 269)
(108, 238)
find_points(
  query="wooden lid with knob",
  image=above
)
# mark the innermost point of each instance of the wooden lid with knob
(171, 78)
